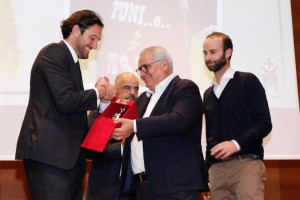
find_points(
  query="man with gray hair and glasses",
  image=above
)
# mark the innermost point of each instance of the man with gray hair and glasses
(162, 156)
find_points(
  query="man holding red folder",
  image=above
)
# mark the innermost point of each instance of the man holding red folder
(104, 175)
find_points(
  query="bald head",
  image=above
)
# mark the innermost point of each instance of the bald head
(127, 86)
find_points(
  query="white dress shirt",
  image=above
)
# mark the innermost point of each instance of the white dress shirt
(137, 153)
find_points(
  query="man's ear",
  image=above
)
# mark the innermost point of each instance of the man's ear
(165, 64)
(228, 53)
(76, 29)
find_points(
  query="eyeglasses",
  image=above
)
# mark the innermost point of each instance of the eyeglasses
(144, 68)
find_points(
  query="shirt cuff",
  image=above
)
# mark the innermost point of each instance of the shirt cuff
(103, 106)
(122, 147)
(236, 144)
(134, 126)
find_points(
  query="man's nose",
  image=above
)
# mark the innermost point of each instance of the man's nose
(132, 91)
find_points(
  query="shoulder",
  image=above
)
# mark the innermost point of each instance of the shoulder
(245, 75)
(248, 79)
(56, 52)
(53, 46)
(182, 87)
(56, 48)
(177, 82)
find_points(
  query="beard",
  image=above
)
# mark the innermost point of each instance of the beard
(82, 54)
(81, 49)
(216, 65)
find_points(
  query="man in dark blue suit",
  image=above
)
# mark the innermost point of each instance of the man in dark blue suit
(104, 176)
(55, 122)
(163, 159)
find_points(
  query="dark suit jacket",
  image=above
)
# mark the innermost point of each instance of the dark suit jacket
(104, 182)
(104, 174)
(55, 122)
(171, 141)
(105, 169)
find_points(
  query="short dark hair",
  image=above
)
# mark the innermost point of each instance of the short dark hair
(83, 18)
(227, 43)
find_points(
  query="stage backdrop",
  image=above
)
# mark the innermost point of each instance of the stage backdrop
(261, 32)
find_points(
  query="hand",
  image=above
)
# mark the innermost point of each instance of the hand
(205, 195)
(124, 131)
(106, 90)
(102, 81)
(223, 150)
(101, 86)
(111, 91)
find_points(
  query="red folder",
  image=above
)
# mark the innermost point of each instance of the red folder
(103, 126)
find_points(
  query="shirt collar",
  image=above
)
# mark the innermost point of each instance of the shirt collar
(229, 74)
(162, 85)
(73, 53)
(149, 93)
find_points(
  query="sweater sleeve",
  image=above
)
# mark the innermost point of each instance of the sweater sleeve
(259, 109)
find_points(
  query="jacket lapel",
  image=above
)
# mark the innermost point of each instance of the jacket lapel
(75, 67)
(164, 95)
(78, 74)
(142, 104)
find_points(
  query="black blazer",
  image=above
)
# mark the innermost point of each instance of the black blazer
(105, 168)
(171, 140)
(55, 122)
(104, 173)
(104, 182)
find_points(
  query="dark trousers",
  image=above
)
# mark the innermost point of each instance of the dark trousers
(104, 181)
(144, 193)
(117, 196)
(106, 193)
(47, 182)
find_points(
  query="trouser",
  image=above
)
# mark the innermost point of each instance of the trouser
(237, 180)
(145, 193)
(47, 182)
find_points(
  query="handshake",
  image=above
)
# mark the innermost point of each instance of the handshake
(106, 90)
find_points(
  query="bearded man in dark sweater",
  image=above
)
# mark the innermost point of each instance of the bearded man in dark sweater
(237, 119)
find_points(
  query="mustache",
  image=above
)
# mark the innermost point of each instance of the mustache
(131, 97)
(210, 62)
